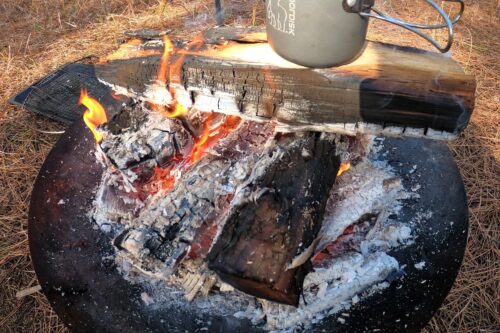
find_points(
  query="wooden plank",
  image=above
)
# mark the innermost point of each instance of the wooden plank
(387, 90)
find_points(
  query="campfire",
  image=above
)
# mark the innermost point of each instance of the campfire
(218, 214)
(219, 191)
(221, 207)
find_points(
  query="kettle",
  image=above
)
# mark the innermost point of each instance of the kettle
(326, 33)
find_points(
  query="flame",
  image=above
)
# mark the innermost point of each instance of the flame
(165, 59)
(344, 166)
(175, 111)
(170, 75)
(94, 116)
(210, 137)
(165, 178)
(173, 71)
(199, 145)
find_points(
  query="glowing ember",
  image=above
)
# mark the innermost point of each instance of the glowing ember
(167, 179)
(170, 73)
(345, 166)
(210, 137)
(94, 116)
(200, 143)
(116, 97)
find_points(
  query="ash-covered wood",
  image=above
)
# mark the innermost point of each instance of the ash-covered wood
(182, 222)
(251, 207)
(277, 220)
(389, 89)
(188, 216)
(137, 142)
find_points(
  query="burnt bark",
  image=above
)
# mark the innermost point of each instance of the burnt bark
(277, 220)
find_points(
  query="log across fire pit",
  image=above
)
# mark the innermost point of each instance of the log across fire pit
(236, 221)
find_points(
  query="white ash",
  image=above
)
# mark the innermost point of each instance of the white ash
(331, 289)
(361, 128)
(162, 209)
(367, 188)
(158, 93)
(148, 300)
(358, 192)
(420, 265)
(345, 278)
(376, 288)
(131, 146)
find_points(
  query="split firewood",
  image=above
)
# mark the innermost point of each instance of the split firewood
(276, 220)
(388, 90)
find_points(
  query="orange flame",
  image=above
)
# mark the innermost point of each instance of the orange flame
(94, 116)
(199, 146)
(165, 58)
(165, 179)
(170, 74)
(175, 111)
(174, 73)
(209, 138)
(345, 166)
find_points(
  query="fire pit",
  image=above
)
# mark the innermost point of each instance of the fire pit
(77, 265)
(203, 221)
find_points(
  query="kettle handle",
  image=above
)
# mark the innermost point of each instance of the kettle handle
(414, 27)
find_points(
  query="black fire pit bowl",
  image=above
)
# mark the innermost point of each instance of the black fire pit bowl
(78, 275)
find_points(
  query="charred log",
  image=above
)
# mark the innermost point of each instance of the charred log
(389, 89)
(252, 207)
(276, 221)
(183, 220)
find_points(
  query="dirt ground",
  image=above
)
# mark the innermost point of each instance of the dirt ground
(37, 36)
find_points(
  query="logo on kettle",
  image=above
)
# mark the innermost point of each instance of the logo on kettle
(281, 16)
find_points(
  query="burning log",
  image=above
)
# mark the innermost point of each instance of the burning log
(388, 90)
(248, 203)
(380, 222)
(270, 233)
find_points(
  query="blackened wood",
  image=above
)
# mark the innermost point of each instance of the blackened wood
(277, 221)
(387, 86)
(187, 216)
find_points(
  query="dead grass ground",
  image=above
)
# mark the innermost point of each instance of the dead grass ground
(37, 36)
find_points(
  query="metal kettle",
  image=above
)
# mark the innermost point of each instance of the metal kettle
(326, 33)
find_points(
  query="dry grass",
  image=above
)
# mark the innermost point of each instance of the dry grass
(37, 36)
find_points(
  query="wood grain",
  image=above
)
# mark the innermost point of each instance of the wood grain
(387, 90)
